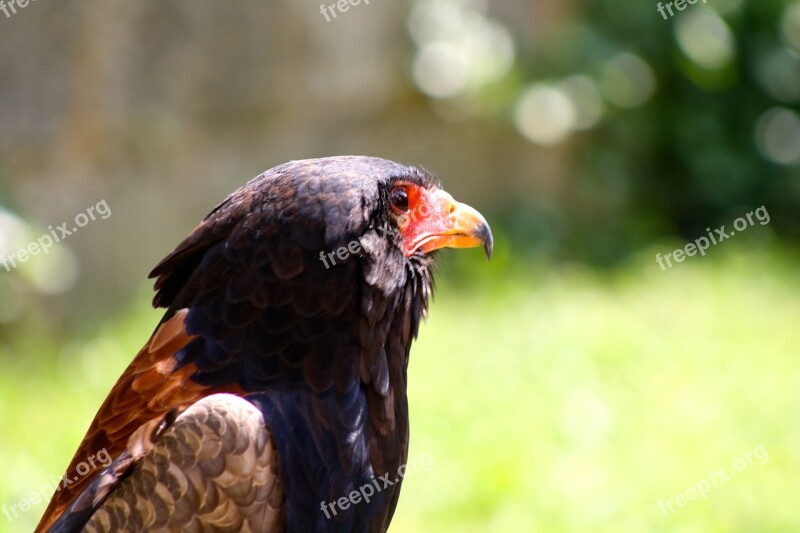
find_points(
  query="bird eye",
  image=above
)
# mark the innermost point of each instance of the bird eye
(399, 199)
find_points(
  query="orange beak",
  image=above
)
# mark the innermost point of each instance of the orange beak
(441, 222)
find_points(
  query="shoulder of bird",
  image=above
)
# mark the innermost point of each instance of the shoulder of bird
(276, 381)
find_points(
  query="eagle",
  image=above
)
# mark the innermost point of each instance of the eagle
(273, 391)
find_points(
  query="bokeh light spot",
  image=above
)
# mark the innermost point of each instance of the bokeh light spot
(705, 38)
(439, 70)
(778, 135)
(459, 49)
(586, 98)
(54, 273)
(628, 81)
(544, 114)
(779, 74)
(790, 25)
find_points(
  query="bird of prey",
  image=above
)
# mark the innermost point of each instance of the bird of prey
(276, 380)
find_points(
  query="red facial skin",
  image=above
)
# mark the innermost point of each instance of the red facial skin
(433, 220)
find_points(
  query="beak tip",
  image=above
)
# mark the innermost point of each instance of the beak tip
(485, 234)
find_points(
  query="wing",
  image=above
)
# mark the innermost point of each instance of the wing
(149, 388)
(214, 468)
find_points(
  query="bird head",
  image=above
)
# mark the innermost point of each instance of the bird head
(427, 218)
(392, 217)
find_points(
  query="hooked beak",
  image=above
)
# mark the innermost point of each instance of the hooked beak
(449, 224)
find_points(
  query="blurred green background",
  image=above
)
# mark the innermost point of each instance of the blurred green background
(569, 385)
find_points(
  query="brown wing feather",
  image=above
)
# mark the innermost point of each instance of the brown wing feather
(148, 389)
(214, 469)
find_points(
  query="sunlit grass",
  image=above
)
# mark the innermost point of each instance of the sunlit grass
(576, 402)
(550, 399)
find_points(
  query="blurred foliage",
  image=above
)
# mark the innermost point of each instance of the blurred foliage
(585, 129)
(667, 126)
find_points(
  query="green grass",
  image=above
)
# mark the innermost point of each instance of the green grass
(549, 399)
